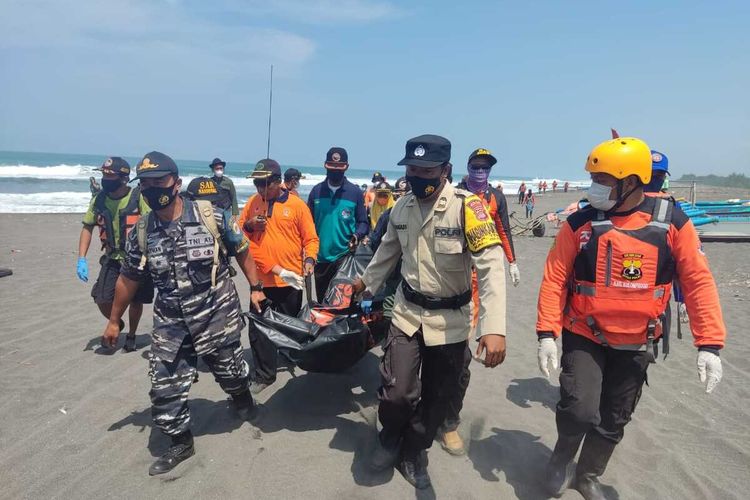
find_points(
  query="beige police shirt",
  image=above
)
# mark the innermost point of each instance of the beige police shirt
(438, 254)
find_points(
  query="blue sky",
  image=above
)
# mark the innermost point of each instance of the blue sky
(537, 82)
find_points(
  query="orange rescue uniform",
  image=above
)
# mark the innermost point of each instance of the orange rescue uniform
(289, 236)
(497, 206)
(614, 298)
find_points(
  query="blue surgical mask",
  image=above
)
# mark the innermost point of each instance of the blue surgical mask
(598, 196)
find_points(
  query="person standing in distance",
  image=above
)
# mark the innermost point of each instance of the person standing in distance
(338, 210)
(291, 183)
(439, 233)
(226, 186)
(115, 210)
(606, 284)
(185, 247)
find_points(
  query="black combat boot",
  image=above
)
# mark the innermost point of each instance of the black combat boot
(414, 470)
(561, 469)
(592, 463)
(384, 456)
(246, 408)
(181, 449)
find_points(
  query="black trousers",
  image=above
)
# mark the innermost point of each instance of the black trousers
(285, 300)
(324, 273)
(599, 388)
(456, 403)
(413, 406)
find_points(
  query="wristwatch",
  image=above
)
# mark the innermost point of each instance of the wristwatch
(258, 287)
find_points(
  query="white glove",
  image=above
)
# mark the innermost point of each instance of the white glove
(684, 318)
(547, 354)
(515, 274)
(709, 369)
(292, 279)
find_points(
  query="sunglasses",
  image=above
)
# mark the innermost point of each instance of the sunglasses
(480, 167)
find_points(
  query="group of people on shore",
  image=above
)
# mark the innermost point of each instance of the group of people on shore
(439, 251)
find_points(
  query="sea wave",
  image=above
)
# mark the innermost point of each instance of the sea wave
(61, 171)
(44, 203)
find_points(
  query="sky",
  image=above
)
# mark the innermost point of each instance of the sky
(537, 82)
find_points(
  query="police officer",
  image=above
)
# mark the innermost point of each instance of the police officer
(185, 246)
(439, 233)
(606, 284)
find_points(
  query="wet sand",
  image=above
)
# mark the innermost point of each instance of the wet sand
(75, 421)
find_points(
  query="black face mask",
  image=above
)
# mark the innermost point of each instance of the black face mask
(654, 186)
(421, 187)
(111, 185)
(159, 197)
(335, 177)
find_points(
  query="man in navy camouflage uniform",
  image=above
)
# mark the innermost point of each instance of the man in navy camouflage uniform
(197, 309)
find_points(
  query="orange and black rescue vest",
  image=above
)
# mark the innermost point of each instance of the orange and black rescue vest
(623, 265)
(128, 218)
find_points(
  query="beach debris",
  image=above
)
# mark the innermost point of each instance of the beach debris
(63, 410)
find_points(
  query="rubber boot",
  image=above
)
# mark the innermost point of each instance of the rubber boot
(592, 463)
(560, 468)
(383, 456)
(181, 449)
(246, 408)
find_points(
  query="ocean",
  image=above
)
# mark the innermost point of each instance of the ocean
(59, 183)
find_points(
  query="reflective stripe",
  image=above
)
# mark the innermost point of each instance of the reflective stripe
(660, 225)
(601, 223)
(589, 291)
(662, 213)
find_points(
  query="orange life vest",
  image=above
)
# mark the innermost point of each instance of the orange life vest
(617, 265)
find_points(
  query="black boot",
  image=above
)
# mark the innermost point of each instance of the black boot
(181, 449)
(383, 456)
(592, 463)
(246, 408)
(561, 469)
(414, 470)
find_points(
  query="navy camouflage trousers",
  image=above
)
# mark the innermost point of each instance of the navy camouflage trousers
(171, 381)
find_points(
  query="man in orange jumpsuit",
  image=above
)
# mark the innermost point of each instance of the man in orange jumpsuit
(606, 284)
(285, 245)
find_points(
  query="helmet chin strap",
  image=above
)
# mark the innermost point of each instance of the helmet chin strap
(620, 197)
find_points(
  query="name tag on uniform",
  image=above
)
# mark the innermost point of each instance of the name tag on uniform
(200, 243)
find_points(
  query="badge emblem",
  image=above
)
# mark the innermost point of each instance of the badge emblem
(164, 200)
(419, 151)
(429, 190)
(147, 165)
(631, 266)
(346, 213)
(336, 156)
(656, 157)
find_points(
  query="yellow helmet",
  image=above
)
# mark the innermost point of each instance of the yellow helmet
(620, 158)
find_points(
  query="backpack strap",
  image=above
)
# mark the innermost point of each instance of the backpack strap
(206, 213)
(141, 228)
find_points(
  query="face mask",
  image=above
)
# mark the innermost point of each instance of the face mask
(598, 196)
(159, 197)
(335, 177)
(477, 180)
(219, 173)
(111, 185)
(654, 186)
(423, 188)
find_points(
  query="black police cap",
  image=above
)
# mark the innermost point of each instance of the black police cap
(427, 151)
(155, 164)
(115, 165)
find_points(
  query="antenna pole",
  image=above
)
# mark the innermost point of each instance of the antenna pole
(270, 107)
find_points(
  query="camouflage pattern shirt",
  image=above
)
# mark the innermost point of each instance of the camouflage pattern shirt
(180, 260)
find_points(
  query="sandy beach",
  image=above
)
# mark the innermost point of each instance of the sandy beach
(75, 420)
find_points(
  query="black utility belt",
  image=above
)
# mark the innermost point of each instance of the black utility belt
(433, 303)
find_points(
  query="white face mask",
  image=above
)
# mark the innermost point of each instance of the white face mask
(599, 197)
(219, 172)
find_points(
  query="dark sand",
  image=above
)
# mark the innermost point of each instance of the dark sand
(75, 422)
